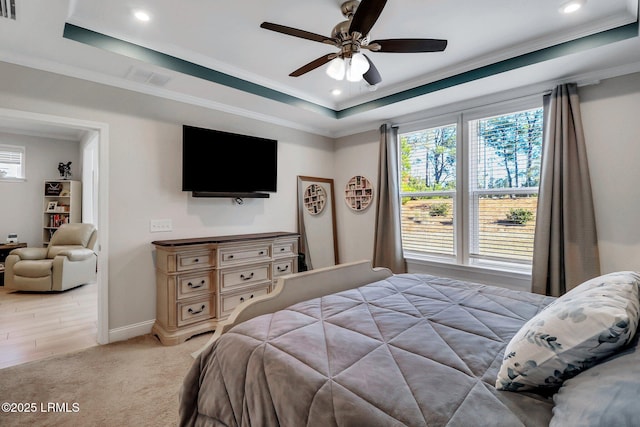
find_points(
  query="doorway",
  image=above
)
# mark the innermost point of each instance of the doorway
(94, 150)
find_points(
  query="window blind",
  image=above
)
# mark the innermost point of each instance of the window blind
(504, 180)
(12, 161)
(10, 158)
(428, 183)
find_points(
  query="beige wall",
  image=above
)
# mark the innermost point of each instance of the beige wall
(144, 173)
(145, 137)
(612, 132)
(356, 155)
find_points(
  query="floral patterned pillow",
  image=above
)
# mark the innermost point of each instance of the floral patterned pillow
(573, 333)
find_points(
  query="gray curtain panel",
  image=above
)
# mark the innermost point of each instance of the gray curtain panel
(566, 242)
(387, 250)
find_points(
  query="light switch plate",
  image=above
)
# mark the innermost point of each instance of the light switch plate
(160, 225)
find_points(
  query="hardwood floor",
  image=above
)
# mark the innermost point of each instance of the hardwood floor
(38, 325)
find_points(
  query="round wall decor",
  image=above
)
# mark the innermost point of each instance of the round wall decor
(315, 199)
(358, 193)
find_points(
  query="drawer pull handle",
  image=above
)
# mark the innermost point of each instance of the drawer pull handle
(286, 267)
(242, 298)
(282, 249)
(196, 260)
(230, 257)
(249, 277)
(191, 311)
(192, 286)
(261, 253)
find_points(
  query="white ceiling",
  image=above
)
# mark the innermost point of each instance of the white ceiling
(225, 36)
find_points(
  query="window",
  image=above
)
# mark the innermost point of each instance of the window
(12, 162)
(469, 186)
(428, 189)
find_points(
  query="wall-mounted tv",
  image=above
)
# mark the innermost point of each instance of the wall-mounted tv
(223, 164)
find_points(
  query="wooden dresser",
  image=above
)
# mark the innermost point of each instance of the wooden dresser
(200, 281)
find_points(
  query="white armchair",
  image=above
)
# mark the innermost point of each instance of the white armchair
(67, 262)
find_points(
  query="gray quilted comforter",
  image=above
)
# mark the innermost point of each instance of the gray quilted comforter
(412, 350)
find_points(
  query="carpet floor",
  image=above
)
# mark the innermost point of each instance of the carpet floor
(128, 383)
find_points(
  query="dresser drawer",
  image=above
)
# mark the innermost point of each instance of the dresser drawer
(244, 254)
(284, 249)
(244, 276)
(229, 302)
(194, 260)
(190, 285)
(194, 311)
(280, 268)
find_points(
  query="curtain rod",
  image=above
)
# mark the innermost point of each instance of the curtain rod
(537, 92)
(467, 108)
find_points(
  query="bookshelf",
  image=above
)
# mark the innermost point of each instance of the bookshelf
(62, 203)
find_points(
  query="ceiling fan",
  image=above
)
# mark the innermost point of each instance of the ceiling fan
(352, 36)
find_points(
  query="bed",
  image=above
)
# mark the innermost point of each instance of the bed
(355, 346)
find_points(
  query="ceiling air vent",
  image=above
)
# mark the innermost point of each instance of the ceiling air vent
(145, 76)
(8, 9)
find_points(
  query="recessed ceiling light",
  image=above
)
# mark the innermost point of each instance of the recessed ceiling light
(572, 6)
(141, 15)
(336, 92)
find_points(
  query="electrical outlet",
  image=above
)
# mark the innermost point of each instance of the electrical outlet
(160, 225)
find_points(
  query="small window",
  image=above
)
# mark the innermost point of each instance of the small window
(12, 162)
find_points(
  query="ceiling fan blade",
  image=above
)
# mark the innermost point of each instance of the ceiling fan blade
(409, 45)
(366, 15)
(372, 76)
(313, 65)
(297, 33)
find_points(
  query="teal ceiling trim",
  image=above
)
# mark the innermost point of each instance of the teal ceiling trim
(134, 51)
(588, 42)
(131, 50)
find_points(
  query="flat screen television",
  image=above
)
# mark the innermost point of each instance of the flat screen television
(223, 164)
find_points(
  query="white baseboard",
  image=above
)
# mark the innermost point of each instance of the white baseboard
(130, 331)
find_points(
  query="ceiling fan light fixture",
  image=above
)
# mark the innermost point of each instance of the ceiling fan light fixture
(336, 69)
(357, 66)
(349, 37)
(359, 63)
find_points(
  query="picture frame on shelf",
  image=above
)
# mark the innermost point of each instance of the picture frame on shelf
(53, 189)
(52, 206)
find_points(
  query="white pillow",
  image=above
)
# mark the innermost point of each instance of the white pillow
(573, 333)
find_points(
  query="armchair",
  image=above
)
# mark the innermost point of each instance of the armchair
(67, 262)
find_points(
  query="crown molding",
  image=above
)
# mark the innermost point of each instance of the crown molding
(122, 83)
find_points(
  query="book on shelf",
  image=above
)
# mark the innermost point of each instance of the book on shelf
(57, 220)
